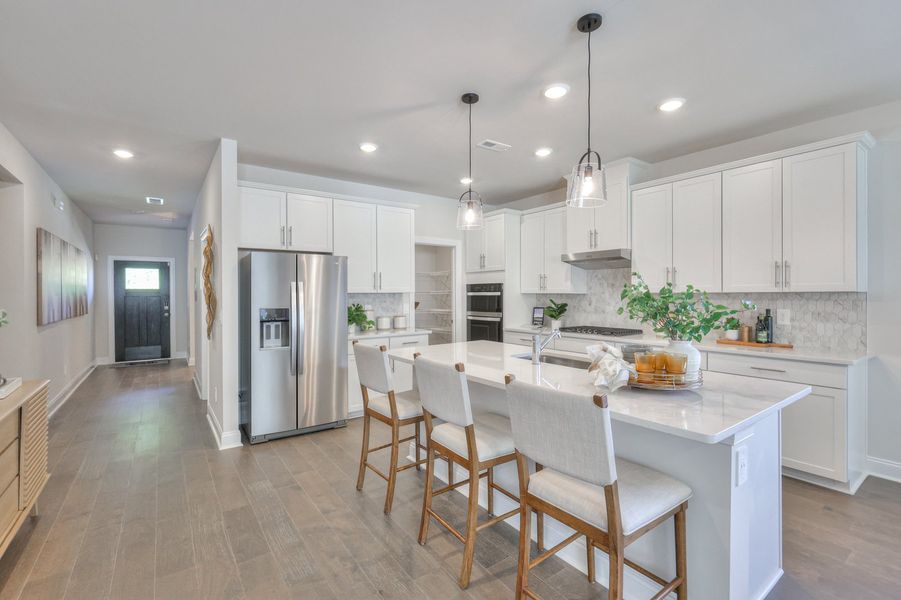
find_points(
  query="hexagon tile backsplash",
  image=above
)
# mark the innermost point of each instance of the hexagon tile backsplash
(819, 320)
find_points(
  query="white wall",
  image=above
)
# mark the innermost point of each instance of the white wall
(62, 352)
(217, 207)
(125, 240)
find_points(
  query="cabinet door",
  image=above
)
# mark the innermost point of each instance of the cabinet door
(355, 238)
(262, 218)
(494, 243)
(814, 434)
(697, 233)
(532, 254)
(309, 223)
(819, 211)
(475, 249)
(395, 249)
(579, 229)
(611, 221)
(652, 242)
(560, 277)
(752, 228)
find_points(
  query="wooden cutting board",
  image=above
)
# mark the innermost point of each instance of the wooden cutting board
(752, 344)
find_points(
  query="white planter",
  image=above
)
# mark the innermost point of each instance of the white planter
(731, 334)
(555, 324)
(693, 364)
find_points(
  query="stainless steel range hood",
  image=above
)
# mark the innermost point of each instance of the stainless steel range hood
(617, 258)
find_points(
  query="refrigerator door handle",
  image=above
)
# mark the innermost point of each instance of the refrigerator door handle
(301, 328)
(293, 336)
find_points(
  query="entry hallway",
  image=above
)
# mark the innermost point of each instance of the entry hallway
(141, 505)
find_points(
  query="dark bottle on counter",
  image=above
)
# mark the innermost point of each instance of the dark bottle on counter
(770, 326)
(761, 333)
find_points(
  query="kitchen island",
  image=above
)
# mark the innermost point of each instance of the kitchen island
(723, 440)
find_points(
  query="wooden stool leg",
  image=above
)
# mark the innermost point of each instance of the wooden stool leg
(392, 469)
(617, 567)
(427, 495)
(491, 491)
(681, 570)
(525, 542)
(539, 523)
(418, 443)
(590, 558)
(469, 547)
(364, 453)
(450, 472)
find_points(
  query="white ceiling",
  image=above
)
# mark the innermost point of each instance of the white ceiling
(300, 84)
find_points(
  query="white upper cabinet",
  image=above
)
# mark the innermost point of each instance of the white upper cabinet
(543, 240)
(752, 228)
(605, 227)
(697, 233)
(396, 242)
(356, 238)
(309, 220)
(652, 231)
(262, 218)
(485, 246)
(820, 213)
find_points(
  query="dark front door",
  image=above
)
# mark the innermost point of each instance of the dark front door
(141, 292)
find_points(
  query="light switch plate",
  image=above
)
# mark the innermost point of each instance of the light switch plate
(784, 316)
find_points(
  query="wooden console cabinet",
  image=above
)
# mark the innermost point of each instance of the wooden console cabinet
(23, 456)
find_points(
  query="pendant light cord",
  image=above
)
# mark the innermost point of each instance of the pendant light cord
(589, 96)
(470, 151)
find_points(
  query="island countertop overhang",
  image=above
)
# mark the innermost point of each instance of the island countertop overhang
(723, 407)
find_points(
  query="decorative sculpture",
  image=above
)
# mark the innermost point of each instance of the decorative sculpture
(209, 294)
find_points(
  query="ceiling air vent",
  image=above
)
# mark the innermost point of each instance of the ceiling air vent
(494, 145)
(153, 200)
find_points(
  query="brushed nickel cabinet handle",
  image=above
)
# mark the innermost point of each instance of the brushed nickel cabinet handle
(767, 369)
(787, 275)
(777, 271)
(667, 275)
(282, 235)
(380, 280)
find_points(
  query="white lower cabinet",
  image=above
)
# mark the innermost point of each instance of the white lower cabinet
(814, 434)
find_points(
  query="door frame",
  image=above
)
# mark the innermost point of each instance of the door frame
(459, 312)
(110, 299)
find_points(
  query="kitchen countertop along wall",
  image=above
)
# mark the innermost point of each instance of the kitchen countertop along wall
(820, 321)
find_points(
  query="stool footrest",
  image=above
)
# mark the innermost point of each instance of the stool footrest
(552, 551)
(507, 493)
(377, 472)
(447, 526)
(497, 519)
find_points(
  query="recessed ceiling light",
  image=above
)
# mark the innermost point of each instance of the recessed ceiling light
(154, 200)
(368, 147)
(542, 152)
(466, 181)
(556, 91)
(671, 104)
(123, 153)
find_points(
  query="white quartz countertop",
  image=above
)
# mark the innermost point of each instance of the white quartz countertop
(386, 333)
(710, 345)
(724, 406)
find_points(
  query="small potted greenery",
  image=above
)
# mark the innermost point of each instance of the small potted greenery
(555, 311)
(731, 326)
(683, 317)
(357, 319)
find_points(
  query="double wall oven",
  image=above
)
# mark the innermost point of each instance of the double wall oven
(484, 312)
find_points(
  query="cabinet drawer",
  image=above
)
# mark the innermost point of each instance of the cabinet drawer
(9, 507)
(768, 368)
(408, 341)
(9, 464)
(367, 342)
(9, 429)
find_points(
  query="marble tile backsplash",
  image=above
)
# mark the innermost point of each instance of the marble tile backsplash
(820, 320)
(384, 305)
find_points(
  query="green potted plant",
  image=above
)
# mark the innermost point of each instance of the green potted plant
(683, 317)
(731, 326)
(357, 319)
(555, 311)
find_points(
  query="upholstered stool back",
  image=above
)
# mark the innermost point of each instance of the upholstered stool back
(372, 368)
(443, 391)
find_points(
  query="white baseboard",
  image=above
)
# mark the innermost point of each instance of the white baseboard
(179, 355)
(197, 386)
(224, 440)
(103, 360)
(635, 585)
(57, 401)
(108, 360)
(190, 361)
(884, 469)
(850, 487)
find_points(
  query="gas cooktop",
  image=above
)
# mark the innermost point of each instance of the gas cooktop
(605, 331)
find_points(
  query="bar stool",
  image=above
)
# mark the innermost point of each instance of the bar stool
(478, 445)
(609, 500)
(393, 409)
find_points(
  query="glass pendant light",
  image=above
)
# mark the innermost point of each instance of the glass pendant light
(469, 208)
(588, 182)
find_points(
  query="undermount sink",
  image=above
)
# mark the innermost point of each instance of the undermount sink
(563, 361)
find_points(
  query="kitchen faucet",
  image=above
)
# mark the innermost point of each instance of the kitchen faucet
(538, 345)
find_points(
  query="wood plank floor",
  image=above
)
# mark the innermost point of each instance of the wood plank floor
(141, 505)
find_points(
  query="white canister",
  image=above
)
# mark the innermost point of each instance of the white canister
(382, 323)
(400, 322)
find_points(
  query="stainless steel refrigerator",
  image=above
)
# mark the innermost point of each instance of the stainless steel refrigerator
(293, 336)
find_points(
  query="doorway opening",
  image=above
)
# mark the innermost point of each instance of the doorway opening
(436, 300)
(142, 310)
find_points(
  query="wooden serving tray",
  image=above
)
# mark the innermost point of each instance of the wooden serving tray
(752, 344)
